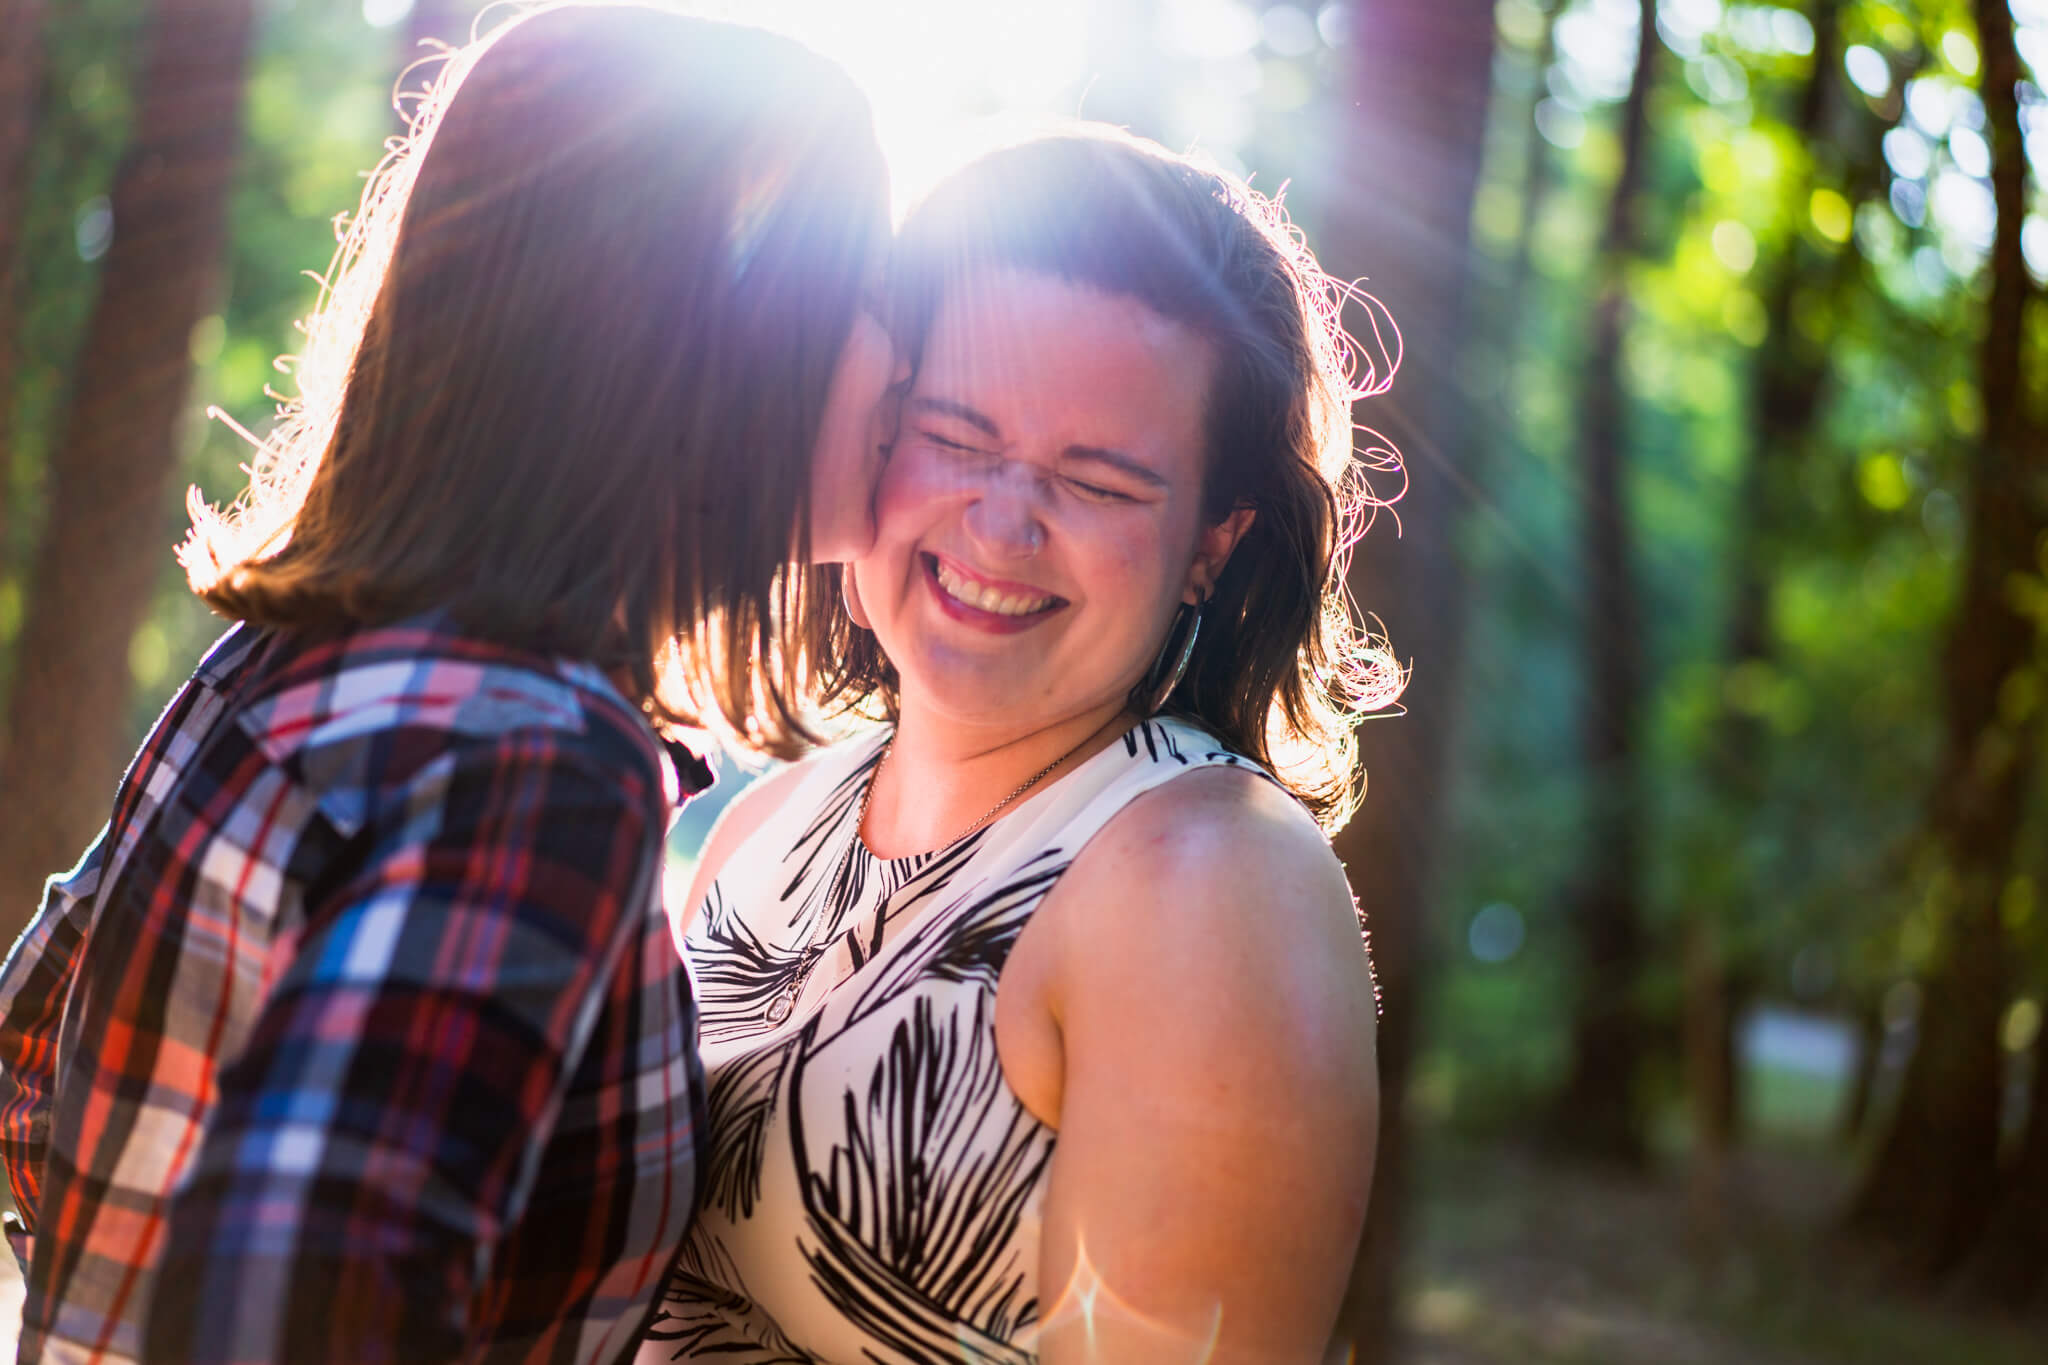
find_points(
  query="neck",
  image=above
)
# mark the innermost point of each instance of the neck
(940, 779)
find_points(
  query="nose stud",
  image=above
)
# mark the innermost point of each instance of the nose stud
(1034, 538)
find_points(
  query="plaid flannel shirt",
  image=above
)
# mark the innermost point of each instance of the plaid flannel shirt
(359, 1034)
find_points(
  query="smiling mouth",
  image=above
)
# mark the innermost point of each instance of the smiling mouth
(982, 597)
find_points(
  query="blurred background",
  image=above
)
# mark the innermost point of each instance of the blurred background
(1705, 868)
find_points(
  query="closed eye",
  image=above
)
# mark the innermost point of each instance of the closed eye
(1097, 493)
(946, 443)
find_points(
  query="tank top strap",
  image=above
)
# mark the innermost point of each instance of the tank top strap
(1148, 755)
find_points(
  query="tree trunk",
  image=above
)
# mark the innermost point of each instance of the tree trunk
(1598, 1114)
(104, 543)
(21, 79)
(1855, 1115)
(1419, 79)
(2010, 1267)
(1785, 392)
(1536, 171)
(1709, 1066)
(1935, 1177)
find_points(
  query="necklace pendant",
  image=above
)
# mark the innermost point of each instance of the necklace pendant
(780, 1007)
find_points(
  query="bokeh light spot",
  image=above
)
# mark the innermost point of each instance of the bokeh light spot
(1561, 127)
(2022, 1025)
(1868, 71)
(385, 13)
(94, 230)
(1496, 933)
(1742, 313)
(1931, 101)
(2034, 246)
(1963, 206)
(1832, 216)
(1908, 153)
(1734, 245)
(1289, 31)
(1881, 478)
(1960, 52)
(1971, 152)
(1909, 202)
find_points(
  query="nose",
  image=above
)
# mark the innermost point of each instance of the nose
(1004, 519)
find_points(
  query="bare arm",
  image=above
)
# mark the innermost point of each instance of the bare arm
(1220, 1100)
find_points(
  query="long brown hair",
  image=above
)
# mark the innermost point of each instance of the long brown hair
(1282, 670)
(569, 368)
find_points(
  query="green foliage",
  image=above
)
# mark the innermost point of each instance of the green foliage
(1861, 537)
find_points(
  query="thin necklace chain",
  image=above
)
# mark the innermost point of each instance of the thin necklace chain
(785, 1000)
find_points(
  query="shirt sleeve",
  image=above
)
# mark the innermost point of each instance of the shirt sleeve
(33, 985)
(379, 1131)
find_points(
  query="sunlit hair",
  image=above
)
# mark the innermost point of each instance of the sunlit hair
(1283, 669)
(569, 365)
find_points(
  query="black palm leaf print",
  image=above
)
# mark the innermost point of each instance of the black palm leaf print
(870, 1164)
(926, 1175)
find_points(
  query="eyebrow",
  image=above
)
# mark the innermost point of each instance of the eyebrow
(974, 417)
(986, 425)
(1117, 460)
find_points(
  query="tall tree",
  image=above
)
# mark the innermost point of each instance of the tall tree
(21, 78)
(103, 545)
(1598, 1113)
(1417, 87)
(2010, 1266)
(1935, 1176)
(1784, 400)
(1536, 169)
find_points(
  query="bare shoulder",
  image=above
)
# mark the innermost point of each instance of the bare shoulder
(1217, 852)
(1220, 883)
(742, 818)
(750, 810)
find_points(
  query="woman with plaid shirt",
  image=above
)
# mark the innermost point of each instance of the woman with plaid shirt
(359, 1034)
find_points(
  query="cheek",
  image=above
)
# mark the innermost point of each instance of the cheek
(1131, 547)
(912, 490)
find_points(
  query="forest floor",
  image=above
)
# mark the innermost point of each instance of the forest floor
(1523, 1261)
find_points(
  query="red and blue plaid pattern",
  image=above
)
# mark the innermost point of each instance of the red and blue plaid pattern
(359, 1034)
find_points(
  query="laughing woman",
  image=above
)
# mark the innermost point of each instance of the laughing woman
(1038, 1024)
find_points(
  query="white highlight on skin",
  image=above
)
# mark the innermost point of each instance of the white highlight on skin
(1089, 1300)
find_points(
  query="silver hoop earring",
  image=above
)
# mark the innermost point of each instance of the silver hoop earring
(1172, 664)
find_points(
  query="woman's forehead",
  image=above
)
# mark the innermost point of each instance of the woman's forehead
(1035, 346)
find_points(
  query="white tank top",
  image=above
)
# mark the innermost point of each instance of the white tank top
(873, 1188)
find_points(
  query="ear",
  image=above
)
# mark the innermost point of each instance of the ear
(849, 593)
(1212, 552)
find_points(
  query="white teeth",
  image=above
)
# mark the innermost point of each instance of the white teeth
(988, 599)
